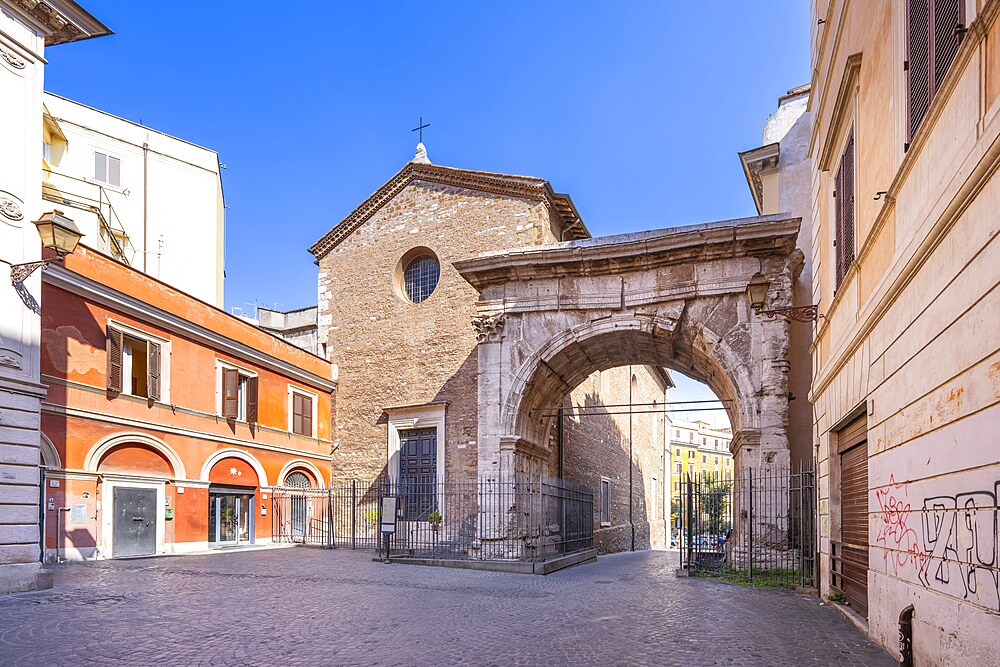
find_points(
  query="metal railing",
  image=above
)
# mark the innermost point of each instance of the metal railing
(757, 527)
(485, 519)
(93, 198)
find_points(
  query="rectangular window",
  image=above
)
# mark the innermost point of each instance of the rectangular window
(691, 454)
(704, 458)
(46, 151)
(690, 437)
(677, 434)
(844, 211)
(133, 365)
(238, 395)
(678, 452)
(107, 169)
(605, 501)
(934, 31)
(680, 468)
(716, 460)
(302, 414)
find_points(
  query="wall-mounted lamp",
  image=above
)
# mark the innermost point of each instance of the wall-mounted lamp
(58, 233)
(757, 296)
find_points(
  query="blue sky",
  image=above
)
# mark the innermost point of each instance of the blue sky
(637, 109)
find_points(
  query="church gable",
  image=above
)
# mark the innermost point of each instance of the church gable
(564, 221)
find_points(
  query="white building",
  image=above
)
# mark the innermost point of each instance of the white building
(146, 198)
(26, 28)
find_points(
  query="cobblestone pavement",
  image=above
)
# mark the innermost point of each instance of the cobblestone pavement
(305, 606)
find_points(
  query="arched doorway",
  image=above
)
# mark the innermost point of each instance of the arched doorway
(299, 503)
(232, 500)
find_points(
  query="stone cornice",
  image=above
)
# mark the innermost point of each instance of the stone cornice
(526, 187)
(755, 161)
(745, 237)
(61, 21)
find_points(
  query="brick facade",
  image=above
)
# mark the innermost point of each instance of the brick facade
(391, 352)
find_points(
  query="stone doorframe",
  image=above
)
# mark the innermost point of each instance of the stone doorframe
(548, 316)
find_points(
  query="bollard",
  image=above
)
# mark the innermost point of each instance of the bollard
(906, 637)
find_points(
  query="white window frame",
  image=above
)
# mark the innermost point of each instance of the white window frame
(244, 372)
(295, 389)
(107, 508)
(108, 156)
(132, 332)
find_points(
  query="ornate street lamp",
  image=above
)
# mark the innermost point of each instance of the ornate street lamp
(58, 233)
(757, 296)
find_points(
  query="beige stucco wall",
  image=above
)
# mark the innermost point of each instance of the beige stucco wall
(910, 337)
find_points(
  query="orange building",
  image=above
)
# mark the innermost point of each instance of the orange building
(168, 422)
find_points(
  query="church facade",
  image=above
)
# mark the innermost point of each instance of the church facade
(396, 318)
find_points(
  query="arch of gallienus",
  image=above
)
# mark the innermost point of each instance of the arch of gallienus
(549, 316)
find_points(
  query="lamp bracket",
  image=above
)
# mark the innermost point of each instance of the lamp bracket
(797, 313)
(20, 272)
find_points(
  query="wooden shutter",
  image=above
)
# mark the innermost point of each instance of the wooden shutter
(844, 211)
(947, 19)
(918, 63)
(230, 393)
(252, 400)
(153, 370)
(847, 168)
(307, 416)
(115, 344)
(933, 34)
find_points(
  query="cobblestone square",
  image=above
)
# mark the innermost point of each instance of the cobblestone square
(306, 606)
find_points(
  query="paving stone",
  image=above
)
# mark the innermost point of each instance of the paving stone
(307, 606)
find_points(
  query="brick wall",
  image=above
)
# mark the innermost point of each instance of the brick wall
(598, 445)
(392, 352)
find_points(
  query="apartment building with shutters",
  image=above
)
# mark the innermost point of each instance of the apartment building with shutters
(905, 148)
(167, 422)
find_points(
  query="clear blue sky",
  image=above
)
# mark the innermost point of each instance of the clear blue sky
(637, 109)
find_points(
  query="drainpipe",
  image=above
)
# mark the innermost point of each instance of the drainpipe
(631, 500)
(145, 207)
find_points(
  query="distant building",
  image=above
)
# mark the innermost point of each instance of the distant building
(697, 448)
(298, 327)
(170, 413)
(143, 197)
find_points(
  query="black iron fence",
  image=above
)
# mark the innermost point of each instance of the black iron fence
(486, 519)
(758, 527)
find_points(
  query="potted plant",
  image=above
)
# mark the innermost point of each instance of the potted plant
(434, 518)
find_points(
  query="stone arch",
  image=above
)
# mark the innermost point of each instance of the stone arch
(48, 454)
(206, 468)
(303, 466)
(105, 445)
(619, 340)
(548, 317)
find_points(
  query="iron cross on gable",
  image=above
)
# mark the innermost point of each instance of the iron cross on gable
(420, 129)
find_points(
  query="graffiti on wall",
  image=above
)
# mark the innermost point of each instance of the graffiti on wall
(956, 550)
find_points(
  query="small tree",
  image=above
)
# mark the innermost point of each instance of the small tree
(714, 502)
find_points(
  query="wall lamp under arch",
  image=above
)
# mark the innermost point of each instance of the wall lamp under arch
(59, 234)
(757, 296)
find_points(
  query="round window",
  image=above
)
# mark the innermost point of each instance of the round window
(420, 277)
